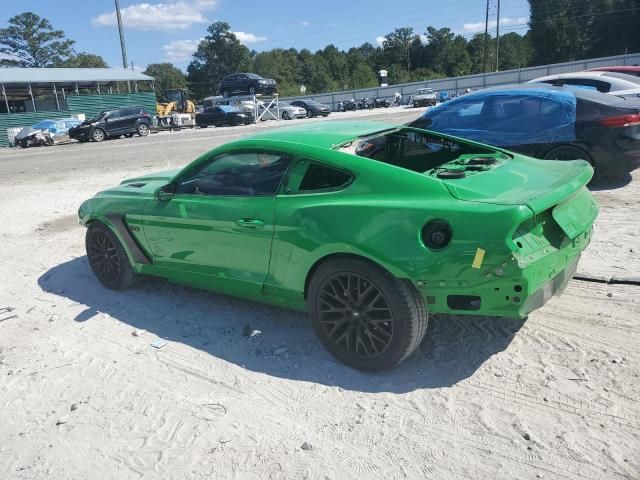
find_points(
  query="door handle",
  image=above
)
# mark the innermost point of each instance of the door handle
(250, 222)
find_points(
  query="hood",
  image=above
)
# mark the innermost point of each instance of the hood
(538, 184)
(143, 185)
(27, 132)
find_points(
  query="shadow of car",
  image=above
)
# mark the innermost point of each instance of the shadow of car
(224, 327)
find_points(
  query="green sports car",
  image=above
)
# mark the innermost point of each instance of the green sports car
(366, 225)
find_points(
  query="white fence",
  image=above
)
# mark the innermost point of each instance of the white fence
(474, 82)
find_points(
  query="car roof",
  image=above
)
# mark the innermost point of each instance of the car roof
(323, 134)
(539, 89)
(621, 68)
(617, 80)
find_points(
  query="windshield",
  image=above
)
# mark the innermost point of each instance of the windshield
(253, 76)
(99, 116)
(283, 104)
(424, 91)
(228, 109)
(44, 124)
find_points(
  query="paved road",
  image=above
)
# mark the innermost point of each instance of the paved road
(170, 148)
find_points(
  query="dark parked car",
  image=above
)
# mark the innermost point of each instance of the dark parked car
(313, 108)
(246, 83)
(223, 115)
(546, 122)
(113, 123)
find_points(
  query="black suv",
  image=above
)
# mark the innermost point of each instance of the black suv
(113, 123)
(246, 83)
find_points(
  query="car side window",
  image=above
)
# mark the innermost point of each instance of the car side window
(237, 174)
(320, 177)
(114, 115)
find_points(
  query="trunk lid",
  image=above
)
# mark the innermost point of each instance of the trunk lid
(539, 184)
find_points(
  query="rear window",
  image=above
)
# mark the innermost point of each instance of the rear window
(410, 149)
(321, 177)
(623, 76)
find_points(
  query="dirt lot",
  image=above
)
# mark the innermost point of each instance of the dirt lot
(83, 394)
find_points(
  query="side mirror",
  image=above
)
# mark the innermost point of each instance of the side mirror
(166, 193)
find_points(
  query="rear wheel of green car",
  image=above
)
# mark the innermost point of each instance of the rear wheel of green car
(107, 257)
(364, 316)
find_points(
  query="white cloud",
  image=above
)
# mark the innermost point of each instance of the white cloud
(170, 15)
(504, 22)
(380, 40)
(304, 23)
(180, 50)
(248, 38)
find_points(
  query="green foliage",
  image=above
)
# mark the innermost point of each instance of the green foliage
(566, 30)
(561, 30)
(84, 60)
(31, 41)
(219, 53)
(166, 76)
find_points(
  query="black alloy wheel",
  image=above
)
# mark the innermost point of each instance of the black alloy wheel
(364, 316)
(355, 315)
(107, 258)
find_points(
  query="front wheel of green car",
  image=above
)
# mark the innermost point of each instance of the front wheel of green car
(107, 257)
(364, 316)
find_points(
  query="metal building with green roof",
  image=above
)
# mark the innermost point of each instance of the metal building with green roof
(29, 95)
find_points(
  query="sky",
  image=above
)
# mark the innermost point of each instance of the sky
(169, 30)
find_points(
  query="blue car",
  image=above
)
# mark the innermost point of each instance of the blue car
(46, 132)
(555, 123)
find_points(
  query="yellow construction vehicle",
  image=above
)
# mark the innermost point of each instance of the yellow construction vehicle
(178, 111)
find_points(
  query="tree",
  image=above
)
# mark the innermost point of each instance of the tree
(166, 76)
(515, 51)
(31, 41)
(220, 53)
(84, 60)
(397, 46)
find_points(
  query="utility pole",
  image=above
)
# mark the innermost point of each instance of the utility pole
(125, 64)
(498, 40)
(485, 48)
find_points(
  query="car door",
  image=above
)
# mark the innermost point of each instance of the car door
(219, 224)
(115, 122)
(210, 115)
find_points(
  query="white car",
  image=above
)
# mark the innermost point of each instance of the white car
(284, 109)
(614, 83)
(424, 97)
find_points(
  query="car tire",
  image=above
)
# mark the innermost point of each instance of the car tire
(285, 115)
(225, 93)
(107, 257)
(364, 316)
(252, 90)
(98, 135)
(142, 129)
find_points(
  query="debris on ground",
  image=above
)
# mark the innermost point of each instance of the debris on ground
(159, 343)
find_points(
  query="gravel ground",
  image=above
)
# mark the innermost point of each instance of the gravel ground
(84, 394)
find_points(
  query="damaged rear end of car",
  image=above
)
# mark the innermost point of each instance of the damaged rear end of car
(513, 238)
